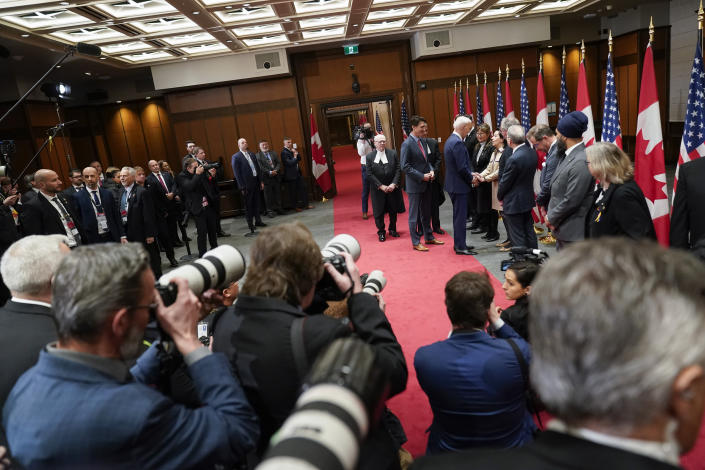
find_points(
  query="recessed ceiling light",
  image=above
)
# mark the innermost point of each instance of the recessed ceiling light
(25, 35)
(87, 73)
(63, 3)
(479, 9)
(296, 43)
(229, 7)
(148, 98)
(287, 20)
(246, 4)
(119, 101)
(517, 15)
(196, 12)
(103, 58)
(184, 58)
(58, 66)
(229, 40)
(549, 46)
(355, 24)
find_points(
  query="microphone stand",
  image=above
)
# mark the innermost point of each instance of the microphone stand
(70, 50)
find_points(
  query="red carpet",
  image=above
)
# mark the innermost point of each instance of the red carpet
(414, 291)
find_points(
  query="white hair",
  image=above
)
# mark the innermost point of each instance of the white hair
(379, 137)
(516, 134)
(130, 170)
(29, 264)
(460, 122)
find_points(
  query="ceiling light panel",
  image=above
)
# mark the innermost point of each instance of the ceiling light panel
(559, 5)
(90, 34)
(136, 8)
(126, 47)
(384, 25)
(147, 56)
(323, 33)
(187, 39)
(47, 19)
(24, 4)
(245, 14)
(393, 13)
(444, 18)
(266, 40)
(450, 6)
(258, 30)
(382, 2)
(509, 2)
(502, 11)
(323, 21)
(314, 6)
(205, 48)
(215, 2)
(169, 23)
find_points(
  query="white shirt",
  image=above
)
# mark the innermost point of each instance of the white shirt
(381, 157)
(61, 209)
(31, 302)
(567, 152)
(249, 160)
(363, 148)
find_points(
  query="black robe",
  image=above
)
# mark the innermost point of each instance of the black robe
(380, 174)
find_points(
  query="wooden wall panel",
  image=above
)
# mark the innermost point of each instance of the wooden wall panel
(209, 98)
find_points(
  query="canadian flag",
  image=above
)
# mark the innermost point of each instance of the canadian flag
(319, 164)
(541, 111)
(508, 106)
(487, 117)
(649, 167)
(456, 109)
(584, 105)
(468, 104)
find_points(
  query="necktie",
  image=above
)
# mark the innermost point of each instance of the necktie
(62, 209)
(271, 164)
(161, 180)
(252, 166)
(123, 202)
(96, 200)
(422, 150)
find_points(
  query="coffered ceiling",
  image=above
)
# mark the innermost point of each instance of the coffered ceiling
(141, 32)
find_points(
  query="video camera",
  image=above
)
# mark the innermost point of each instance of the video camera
(361, 132)
(7, 151)
(522, 253)
(209, 166)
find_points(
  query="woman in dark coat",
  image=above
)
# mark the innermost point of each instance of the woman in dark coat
(517, 287)
(619, 207)
(384, 175)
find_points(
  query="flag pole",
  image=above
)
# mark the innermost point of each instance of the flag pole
(609, 43)
(582, 50)
(507, 74)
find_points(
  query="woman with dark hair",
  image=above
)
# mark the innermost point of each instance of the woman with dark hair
(517, 287)
(618, 207)
(491, 175)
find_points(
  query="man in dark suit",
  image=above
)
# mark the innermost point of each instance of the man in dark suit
(97, 211)
(630, 395)
(249, 182)
(437, 195)
(543, 139)
(516, 189)
(483, 190)
(81, 385)
(50, 212)
(271, 169)
(384, 174)
(688, 217)
(419, 174)
(214, 174)
(76, 181)
(190, 146)
(459, 180)
(506, 123)
(137, 216)
(161, 186)
(470, 142)
(292, 177)
(31, 189)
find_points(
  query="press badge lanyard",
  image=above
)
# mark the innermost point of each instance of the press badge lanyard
(99, 213)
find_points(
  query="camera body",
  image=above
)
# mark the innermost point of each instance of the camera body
(524, 254)
(331, 253)
(209, 166)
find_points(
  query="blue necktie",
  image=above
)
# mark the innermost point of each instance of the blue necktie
(123, 202)
(97, 201)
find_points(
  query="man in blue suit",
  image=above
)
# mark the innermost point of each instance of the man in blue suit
(249, 181)
(97, 211)
(516, 189)
(80, 406)
(459, 180)
(419, 174)
(475, 383)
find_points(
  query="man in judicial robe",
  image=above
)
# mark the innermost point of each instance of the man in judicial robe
(384, 175)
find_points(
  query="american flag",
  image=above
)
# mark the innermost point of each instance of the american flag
(524, 105)
(611, 132)
(564, 106)
(405, 127)
(478, 101)
(693, 141)
(500, 103)
(378, 123)
(461, 102)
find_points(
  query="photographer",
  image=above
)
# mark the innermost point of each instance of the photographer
(272, 342)
(363, 144)
(199, 201)
(80, 406)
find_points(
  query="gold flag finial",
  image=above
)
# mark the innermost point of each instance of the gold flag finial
(609, 42)
(507, 74)
(477, 81)
(700, 16)
(540, 62)
(582, 50)
(455, 87)
(485, 72)
(651, 29)
(563, 55)
(467, 83)
(499, 74)
(523, 69)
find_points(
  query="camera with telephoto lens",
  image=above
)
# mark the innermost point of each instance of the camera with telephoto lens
(374, 282)
(521, 253)
(331, 252)
(343, 399)
(209, 166)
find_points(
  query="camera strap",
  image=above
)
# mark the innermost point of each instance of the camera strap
(525, 375)
(297, 346)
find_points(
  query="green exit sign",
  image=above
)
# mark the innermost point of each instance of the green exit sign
(351, 49)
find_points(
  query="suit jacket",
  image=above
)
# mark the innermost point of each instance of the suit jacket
(193, 188)
(622, 211)
(571, 196)
(141, 221)
(28, 196)
(291, 164)
(243, 172)
(550, 451)
(479, 162)
(434, 157)
(471, 140)
(24, 331)
(87, 216)
(414, 164)
(516, 186)
(162, 204)
(63, 414)
(9, 233)
(380, 174)
(550, 165)
(688, 217)
(39, 217)
(266, 167)
(458, 170)
(476, 390)
(69, 192)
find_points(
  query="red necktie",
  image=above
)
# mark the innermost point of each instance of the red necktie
(421, 147)
(161, 180)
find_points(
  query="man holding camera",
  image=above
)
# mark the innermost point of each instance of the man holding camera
(272, 341)
(80, 406)
(363, 143)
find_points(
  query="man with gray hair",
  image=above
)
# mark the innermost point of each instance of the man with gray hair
(80, 406)
(516, 189)
(617, 357)
(504, 125)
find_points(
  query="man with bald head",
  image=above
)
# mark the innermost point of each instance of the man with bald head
(50, 212)
(97, 211)
(249, 181)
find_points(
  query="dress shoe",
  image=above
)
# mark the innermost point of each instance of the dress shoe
(435, 241)
(381, 237)
(173, 263)
(490, 238)
(505, 248)
(420, 247)
(270, 215)
(504, 243)
(472, 226)
(465, 252)
(222, 234)
(364, 215)
(260, 224)
(440, 231)
(309, 207)
(251, 233)
(394, 233)
(478, 230)
(298, 209)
